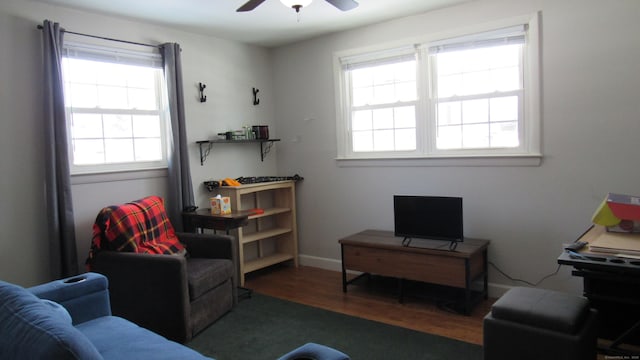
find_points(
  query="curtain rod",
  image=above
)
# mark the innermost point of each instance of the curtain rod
(106, 38)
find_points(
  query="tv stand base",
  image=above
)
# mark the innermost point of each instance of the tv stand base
(457, 272)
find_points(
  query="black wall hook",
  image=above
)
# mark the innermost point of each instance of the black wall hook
(256, 101)
(202, 87)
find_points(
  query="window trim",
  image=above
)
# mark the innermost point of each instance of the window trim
(530, 155)
(102, 53)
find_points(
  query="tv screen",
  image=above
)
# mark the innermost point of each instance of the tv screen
(428, 217)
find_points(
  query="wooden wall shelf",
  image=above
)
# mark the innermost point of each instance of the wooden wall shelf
(207, 145)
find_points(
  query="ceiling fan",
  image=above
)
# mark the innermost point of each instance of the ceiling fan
(343, 5)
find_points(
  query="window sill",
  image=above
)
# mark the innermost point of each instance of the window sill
(104, 177)
(445, 161)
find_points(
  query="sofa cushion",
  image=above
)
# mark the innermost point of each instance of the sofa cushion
(205, 274)
(117, 338)
(31, 328)
(140, 226)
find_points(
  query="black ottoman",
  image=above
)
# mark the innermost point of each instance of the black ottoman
(534, 324)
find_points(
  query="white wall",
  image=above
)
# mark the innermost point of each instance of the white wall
(590, 124)
(229, 69)
(591, 121)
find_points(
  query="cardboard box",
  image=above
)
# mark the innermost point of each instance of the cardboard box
(619, 213)
(220, 205)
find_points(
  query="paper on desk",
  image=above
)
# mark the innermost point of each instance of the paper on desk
(616, 243)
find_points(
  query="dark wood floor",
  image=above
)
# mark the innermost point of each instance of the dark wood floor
(323, 289)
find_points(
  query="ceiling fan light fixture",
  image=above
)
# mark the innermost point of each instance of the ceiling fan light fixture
(296, 4)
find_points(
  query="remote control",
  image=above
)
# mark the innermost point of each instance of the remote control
(576, 245)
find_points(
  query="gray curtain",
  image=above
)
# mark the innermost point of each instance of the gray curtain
(59, 205)
(180, 193)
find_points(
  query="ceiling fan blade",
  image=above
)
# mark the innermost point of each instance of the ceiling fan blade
(344, 5)
(250, 5)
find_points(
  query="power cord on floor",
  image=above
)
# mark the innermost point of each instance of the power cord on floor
(524, 281)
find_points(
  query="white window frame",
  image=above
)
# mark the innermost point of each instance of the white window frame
(527, 154)
(125, 57)
(380, 58)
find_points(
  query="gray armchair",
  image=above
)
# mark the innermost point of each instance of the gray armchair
(177, 295)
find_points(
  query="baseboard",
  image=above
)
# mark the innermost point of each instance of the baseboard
(495, 290)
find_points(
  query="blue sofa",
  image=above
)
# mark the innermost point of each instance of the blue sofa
(74, 322)
(71, 319)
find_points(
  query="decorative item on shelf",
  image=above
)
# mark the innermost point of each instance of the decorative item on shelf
(202, 86)
(256, 101)
(261, 131)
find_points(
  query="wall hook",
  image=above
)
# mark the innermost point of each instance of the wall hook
(202, 87)
(256, 101)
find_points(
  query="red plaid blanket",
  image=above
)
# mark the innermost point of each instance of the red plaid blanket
(139, 226)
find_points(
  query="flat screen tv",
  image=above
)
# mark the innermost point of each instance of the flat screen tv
(428, 217)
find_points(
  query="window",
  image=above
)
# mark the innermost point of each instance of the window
(464, 96)
(116, 109)
(477, 90)
(383, 104)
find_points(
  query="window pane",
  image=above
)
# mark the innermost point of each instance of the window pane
(506, 79)
(362, 77)
(118, 150)
(405, 139)
(83, 95)
(405, 117)
(139, 77)
(504, 108)
(504, 134)
(142, 99)
(476, 82)
(449, 113)
(146, 126)
(406, 91)
(112, 97)
(384, 84)
(87, 152)
(478, 71)
(111, 74)
(86, 126)
(362, 141)
(475, 136)
(449, 85)
(148, 149)
(449, 137)
(362, 96)
(475, 111)
(383, 140)
(362, 120)
(383, 118)
(384, 94)
(117, 126)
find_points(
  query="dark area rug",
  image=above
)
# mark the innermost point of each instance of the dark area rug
(264, 327)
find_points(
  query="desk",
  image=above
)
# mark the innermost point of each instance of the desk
(428, 261)
(612, 284)
(203, 219)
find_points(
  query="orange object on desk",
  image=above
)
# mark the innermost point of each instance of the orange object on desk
(255, 211)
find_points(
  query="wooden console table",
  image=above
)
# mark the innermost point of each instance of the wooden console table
(429, 261)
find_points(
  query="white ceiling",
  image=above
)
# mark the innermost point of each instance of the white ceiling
(270, 24)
